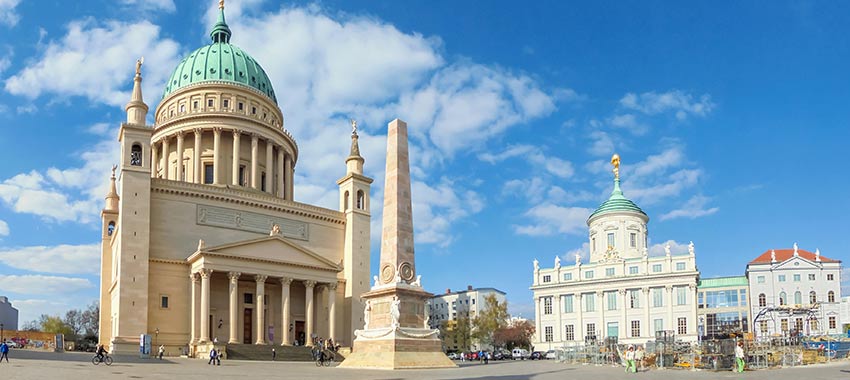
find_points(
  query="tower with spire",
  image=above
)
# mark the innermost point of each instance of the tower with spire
(354, 189)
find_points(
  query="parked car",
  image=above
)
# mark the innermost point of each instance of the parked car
(453, 355)
(502, 355)
(551, 354)
(536, 355)
(519, 354)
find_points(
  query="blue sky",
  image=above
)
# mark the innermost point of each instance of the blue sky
(730, 119)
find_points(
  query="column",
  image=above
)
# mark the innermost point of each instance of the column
(154, 159)
(693, 325)
(287, 167)
(196, 157)
(216, 155)
(205, 305)
(624, 320)
(332, 310)
(284, 313)
(538, 312)
(179, 172)
(280, 181)
(235, 174)
(579, 321)
(671, 325)
(558, 309)
(254, 153)
(261, 308)
(648, 323)
(308, 296)
(165, 157)
(234, 304)
(193, 333)
(602, 326)
(269, 167)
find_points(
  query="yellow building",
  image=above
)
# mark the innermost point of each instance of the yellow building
(203, 240)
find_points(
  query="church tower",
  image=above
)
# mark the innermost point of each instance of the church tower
(354, 190)
(109, 223)
(128, 298)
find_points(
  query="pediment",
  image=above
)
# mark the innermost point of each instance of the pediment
(275, 249)
(796, 263)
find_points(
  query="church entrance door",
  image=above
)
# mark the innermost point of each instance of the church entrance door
(299, 333)
(248, 319)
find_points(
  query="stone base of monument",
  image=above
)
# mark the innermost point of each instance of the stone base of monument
(397, 334)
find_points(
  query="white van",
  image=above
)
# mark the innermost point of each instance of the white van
(520, 354)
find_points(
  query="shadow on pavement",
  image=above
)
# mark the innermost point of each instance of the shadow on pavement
(81, 357)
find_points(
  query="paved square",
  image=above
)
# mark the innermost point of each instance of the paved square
(27, 365)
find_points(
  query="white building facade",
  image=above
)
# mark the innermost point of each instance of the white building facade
(793, 292)
(465, 303)
(621, 292)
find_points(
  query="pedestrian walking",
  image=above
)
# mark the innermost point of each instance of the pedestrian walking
(213, 356)
(4, 352)
(739, 357)
(274, 354)
(639, 356)
(161, 351)
(630, 360)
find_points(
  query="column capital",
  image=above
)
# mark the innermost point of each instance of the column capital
(600, 293)
(255, 138)
(217, 129)
(668, 287)
(236, 133)
(205, 273)
(286, 281)
(622, 292)
(645, 290)
(332, 285)
(179, 135)
(198, 131)
(579, 296)
(693, 286)
(260, 278)
(195, 277)
(233, 276)
(309, 283)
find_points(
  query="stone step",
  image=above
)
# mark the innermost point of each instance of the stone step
(264, 352)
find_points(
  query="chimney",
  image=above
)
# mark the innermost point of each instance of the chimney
(469, 288)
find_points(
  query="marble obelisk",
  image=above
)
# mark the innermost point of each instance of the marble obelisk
(396, 334)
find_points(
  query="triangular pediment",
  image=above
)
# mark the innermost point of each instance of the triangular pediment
(273, 248)
(796, 263)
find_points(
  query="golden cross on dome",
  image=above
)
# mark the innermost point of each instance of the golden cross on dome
(220, 4)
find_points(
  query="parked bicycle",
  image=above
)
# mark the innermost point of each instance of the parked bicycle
(101, 359)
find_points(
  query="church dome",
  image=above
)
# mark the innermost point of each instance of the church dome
(220, 61)
(617, 203)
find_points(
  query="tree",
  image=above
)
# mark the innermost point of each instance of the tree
(517, 335)
(456, 333)
(54, 324)
(74, 321)
(91, 319)
(492, 317)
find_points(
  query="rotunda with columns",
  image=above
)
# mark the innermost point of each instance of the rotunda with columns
(203, 242)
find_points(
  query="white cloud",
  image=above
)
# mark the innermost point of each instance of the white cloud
(676, 248)
(64, 259)
(32, 309)
(436, 208)
(61, 195)
(44, 285)
(550, 219)
(96, 60)
(553, 165)
(680, 103)
(601, 144)
(692, 209)
(533, 189)
(8, 15)
(583, 252)
(151, 5)
(4, 228)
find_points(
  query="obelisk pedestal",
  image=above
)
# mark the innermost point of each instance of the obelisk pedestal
(396, 334)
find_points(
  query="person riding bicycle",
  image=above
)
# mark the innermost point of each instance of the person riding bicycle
(101, 352)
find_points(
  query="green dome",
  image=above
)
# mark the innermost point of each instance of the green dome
(617, 203)
(220, 61)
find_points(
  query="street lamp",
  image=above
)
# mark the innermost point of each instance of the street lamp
(155, 337)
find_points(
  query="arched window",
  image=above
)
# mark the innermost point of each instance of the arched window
(813, 297)
(361, 200)
(782, 300)
(762, 300)
(345, 201)
(136, 155)
(110, 228)
(830, 297)
(798, 298)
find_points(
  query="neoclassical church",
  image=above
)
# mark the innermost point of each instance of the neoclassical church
(202, 238)
(621, 292)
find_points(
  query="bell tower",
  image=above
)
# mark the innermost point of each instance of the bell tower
(354, 190)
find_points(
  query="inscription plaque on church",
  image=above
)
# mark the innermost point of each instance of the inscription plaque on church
(250, 221)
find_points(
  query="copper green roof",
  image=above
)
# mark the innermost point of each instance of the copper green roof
(616, 203)
(723, 282)
(220, 61)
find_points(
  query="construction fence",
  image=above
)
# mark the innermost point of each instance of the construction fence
(718, 355)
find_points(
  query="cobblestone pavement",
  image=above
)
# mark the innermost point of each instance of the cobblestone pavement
(28, 365)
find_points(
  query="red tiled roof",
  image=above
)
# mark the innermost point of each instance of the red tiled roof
(785, 254)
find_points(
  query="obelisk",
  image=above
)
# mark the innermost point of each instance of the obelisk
(396, 334)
